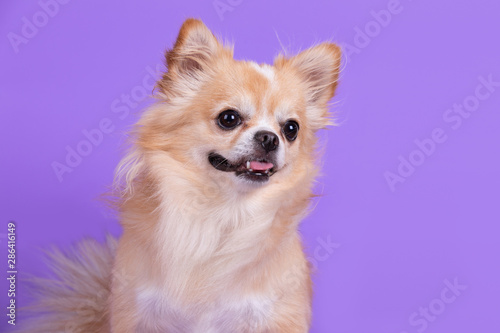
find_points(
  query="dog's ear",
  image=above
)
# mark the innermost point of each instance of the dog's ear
(191, 59)
(318, 67)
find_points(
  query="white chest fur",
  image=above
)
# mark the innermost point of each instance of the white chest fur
(228, 315)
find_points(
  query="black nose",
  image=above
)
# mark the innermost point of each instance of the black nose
(268, 140)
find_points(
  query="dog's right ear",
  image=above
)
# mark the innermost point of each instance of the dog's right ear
(191, 60)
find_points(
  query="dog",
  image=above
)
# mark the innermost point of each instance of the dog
(210, 196)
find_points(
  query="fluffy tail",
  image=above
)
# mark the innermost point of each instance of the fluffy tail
(76, 300)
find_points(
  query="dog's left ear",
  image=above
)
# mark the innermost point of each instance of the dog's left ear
(191, 59)
(318, 67)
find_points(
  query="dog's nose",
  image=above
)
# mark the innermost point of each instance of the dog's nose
(268, 140)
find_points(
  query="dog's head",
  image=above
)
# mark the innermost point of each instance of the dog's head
(238, 121)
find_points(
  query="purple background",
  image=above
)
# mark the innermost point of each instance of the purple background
(394, 249)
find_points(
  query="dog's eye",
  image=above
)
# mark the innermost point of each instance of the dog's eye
(229, 119)
(290, 130)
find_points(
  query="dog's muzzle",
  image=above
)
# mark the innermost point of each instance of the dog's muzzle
(252, 168)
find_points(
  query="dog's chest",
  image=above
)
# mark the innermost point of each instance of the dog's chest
(235, 314)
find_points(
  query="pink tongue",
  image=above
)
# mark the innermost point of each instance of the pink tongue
(254, 165)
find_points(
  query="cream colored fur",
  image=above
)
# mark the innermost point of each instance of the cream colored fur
(203, 250)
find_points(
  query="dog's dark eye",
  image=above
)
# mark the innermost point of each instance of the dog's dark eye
(290, 130)
(229, 119)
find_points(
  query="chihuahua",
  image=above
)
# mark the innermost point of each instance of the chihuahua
(210, 197)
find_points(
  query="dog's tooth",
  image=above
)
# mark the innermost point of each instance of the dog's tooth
(248, 164)
(251, 170)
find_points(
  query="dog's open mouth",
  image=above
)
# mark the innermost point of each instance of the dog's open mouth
(254, 169)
